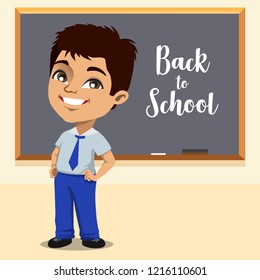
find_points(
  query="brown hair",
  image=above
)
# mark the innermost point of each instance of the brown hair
(89, 40)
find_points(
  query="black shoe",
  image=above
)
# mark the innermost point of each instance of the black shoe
(96, 243)
(58, 243)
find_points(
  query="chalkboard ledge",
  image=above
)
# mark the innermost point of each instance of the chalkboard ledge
(148, 157)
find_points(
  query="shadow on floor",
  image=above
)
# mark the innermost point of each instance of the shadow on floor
(76, 245)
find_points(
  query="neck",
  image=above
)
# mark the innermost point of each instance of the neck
(82, 127)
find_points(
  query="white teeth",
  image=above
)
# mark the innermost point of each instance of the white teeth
(73, 101)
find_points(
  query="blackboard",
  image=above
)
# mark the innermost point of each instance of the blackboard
(187, 96)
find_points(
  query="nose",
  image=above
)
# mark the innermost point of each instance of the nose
(70, 89)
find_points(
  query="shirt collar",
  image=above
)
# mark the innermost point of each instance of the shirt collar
(91, 131)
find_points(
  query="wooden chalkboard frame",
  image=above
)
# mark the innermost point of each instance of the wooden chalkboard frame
(187, 156)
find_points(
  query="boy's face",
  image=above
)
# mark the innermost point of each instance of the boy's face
(79, 90)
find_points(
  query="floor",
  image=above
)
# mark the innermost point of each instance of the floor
(139, 222)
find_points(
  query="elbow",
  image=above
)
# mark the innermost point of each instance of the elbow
(54, 155)
(113, 162)
(109, 159)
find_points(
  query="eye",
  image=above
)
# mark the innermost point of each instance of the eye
(93, 84)
(60, 76)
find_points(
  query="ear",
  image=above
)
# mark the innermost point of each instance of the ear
(120, 97)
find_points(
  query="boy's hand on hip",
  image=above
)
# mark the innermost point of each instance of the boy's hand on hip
(89, 176)
(53, 171)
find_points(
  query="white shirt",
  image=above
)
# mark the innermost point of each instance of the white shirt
(94, 143)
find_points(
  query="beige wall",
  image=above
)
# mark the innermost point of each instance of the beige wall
(12, 172)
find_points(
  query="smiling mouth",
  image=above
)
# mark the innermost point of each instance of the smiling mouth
(73, 101)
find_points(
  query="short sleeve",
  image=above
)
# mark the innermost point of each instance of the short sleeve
(101, 144)
(59, 141)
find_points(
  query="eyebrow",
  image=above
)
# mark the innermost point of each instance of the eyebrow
(92, 68)
(62, 61)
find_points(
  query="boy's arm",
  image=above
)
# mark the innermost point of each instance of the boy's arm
(54, 158)
(108, 163)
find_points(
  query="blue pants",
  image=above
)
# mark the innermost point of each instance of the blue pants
(70, 190)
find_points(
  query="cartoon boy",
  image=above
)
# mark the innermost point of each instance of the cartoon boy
(90, 72)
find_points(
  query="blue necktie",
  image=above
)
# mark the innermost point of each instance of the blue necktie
(74, 159)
